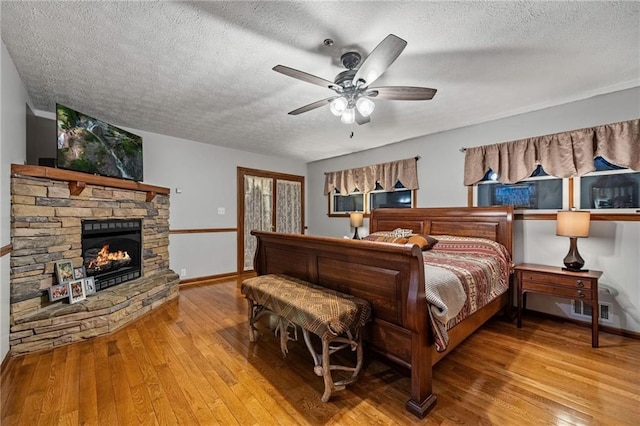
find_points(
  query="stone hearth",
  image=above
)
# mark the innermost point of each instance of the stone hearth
(47, 207)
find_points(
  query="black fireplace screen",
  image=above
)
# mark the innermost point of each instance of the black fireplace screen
(112, 250)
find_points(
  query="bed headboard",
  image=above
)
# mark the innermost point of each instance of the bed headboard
(494, 223)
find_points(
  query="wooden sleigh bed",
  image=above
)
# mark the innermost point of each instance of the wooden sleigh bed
(391, 277)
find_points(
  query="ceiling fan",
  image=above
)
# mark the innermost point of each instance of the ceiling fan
(352, 101)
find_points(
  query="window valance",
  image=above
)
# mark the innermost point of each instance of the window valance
(561, 155)
(364, 178)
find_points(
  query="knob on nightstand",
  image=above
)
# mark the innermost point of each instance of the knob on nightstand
(580, 283)
(580, 293)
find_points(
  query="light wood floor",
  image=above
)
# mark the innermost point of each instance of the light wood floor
(190, 363)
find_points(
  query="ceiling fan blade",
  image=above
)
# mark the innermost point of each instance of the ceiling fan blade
(314, 105)
(361, 119)
(401, 93)
(301, 75)
(379, 60)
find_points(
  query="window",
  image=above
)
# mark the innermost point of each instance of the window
(363, 187)
(609, 188)
(400, 197)
(353, 202)
(539, 192)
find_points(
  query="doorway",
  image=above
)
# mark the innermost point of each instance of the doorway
(267, 201)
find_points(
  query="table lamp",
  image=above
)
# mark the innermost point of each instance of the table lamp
(356, 220)
(573, 224)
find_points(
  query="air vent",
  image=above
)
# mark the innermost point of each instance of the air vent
(582, 310)
(604, 312)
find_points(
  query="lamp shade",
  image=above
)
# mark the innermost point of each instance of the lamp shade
(573, 223)
(348, 116)
(337, 106)
(356, 219)
(365, 106)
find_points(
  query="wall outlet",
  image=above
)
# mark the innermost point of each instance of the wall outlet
(220, 210)
(183, 272)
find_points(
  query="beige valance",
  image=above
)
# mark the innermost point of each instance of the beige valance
(562, 155)
(364, 178)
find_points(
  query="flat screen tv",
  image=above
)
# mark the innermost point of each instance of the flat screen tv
(86, 144)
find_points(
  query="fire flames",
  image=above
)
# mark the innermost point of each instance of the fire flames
(106, 258)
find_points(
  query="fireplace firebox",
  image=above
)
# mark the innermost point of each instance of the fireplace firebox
(112, 250)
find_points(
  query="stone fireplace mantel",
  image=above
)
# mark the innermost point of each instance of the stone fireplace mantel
(47, 209)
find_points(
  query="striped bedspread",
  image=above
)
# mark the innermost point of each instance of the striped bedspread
(462, 275)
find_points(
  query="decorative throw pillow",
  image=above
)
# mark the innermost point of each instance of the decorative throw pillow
(399, 232)
(424, 241)
(386, 237)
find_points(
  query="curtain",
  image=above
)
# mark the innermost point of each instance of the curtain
(289, 207)
(364, 179)
(561, 155)
(257, 213)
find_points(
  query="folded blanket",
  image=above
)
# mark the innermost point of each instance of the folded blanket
(445, 293)
(446, 297)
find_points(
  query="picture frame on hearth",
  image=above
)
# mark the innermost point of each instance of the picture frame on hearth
(79, 272)
(76, 291)
(64, 271)
(89, 286)
(58, 292)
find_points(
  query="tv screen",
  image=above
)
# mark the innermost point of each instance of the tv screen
(86, 144)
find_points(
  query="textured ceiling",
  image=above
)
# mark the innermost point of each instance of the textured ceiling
(202, 70)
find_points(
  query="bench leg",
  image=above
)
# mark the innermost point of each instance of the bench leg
(253, 331)
(284, 335)
(256, 311)
(326, 371)
(322, 362)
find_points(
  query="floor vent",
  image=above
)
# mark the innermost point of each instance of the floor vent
(583, 310)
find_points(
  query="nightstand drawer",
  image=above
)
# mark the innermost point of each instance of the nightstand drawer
(573, 293)
(559, 280)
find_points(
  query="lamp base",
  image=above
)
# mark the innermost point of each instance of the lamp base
(573, 261)
(355, 235)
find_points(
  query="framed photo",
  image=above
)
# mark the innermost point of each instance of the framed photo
(57, 292)
(79, 272)
(64, 271)
(76, 291)
(89, 285)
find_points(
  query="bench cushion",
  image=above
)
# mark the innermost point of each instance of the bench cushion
(318, 309)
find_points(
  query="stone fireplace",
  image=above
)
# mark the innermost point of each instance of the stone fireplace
(63, 215)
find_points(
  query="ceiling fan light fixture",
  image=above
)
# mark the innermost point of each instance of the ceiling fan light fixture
(365, 106)
(348, 116)
(353, 97)
(338, 106)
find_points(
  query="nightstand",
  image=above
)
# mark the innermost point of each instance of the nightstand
(558, 282)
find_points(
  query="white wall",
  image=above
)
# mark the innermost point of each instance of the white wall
(206, 175)
(613, 247)
(12, 150)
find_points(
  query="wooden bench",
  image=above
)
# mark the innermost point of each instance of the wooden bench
(335, 317)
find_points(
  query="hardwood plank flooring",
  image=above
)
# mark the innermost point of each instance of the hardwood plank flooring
(190, 362)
